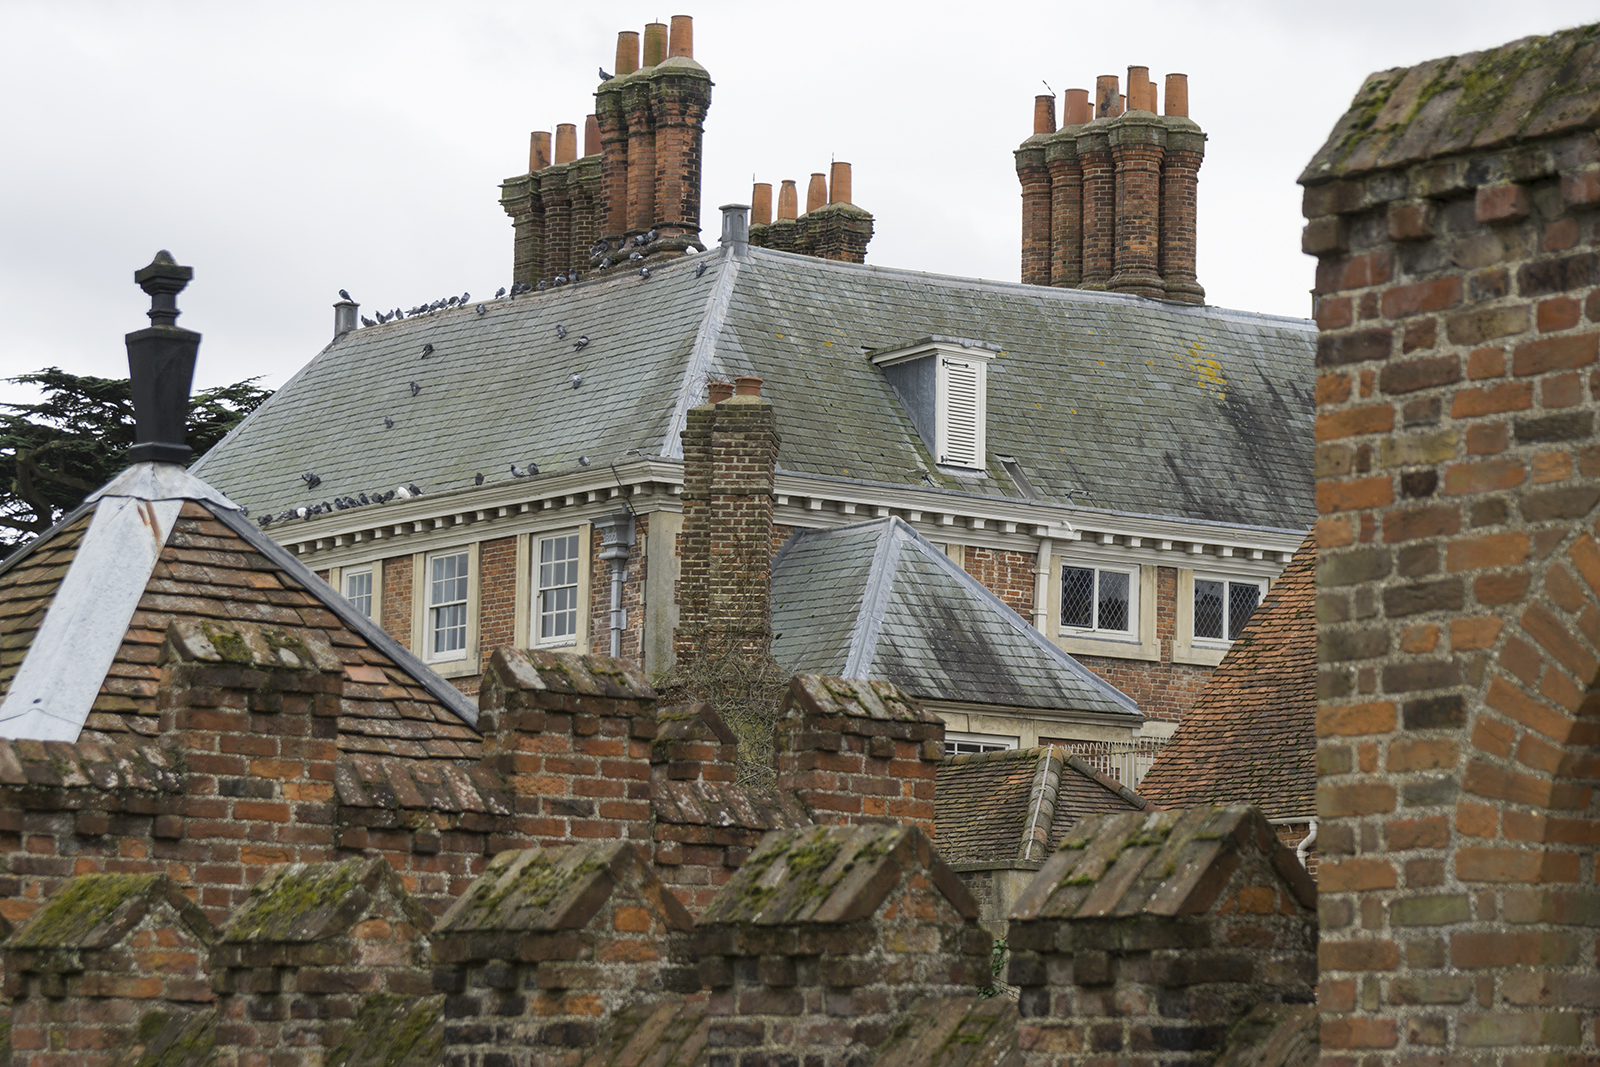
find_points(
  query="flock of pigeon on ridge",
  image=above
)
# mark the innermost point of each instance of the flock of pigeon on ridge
(599, 251)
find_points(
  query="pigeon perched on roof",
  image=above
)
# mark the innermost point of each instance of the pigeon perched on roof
(577, 380)
(367, 322)
(607, 262)
(346, 296)
(542, 286)
(466, 298)
(701, 269)
(583, 461)
(561, 279)
(388, 423)
(427, 350)
(401, 491)
(498, 293)
(581, 343)
(414, 490)
(415, 388)
(478, 480)
(635, 256)
(644, 272)
(650, 236)
(599, 248)
(302, 512)
(311, 480)
(605, 75)
(452, 302)
(561, 332)
(398, 314)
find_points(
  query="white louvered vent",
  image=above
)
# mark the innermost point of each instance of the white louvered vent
(961, 413)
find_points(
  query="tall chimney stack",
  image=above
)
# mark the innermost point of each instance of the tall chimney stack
(1108, 200)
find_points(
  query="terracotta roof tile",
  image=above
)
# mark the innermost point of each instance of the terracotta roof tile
(1250, 738)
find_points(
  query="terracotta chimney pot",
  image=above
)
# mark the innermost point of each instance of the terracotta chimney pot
(839, 184)
(717, 392)
(1138, 81)
(627, 51)
(539, 151)
(761, 204)
(1044, 114)
(816, 192)
(1107, 97)
(566, 142)
(1178, 95)
(655, 43)
(591, 135)
(788, 200)
(747, 385)
(680, 41)
(1078, 108)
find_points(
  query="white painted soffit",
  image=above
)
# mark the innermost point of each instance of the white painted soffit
(67, 662)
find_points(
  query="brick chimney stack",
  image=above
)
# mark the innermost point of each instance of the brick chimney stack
(832, 228)
(641, 163)
(1108, 200)
(730, 454)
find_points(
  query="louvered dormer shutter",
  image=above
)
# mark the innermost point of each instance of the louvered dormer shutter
(961, 412)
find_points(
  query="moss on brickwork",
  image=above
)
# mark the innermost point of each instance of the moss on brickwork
(294, 903)
(173, 1039)
(532, 889)
(83, 912)
(392, 1031)
(818, 874)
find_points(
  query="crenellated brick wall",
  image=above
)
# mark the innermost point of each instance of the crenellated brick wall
(1453, 213)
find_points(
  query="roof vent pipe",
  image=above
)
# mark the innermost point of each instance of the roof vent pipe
(736, 227)
(161, 366)
(344, 317)
(680, 39)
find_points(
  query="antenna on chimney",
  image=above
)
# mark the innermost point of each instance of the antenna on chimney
(161, 366)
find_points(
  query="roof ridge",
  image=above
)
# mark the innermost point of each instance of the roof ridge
(707, 337)
(875, 593)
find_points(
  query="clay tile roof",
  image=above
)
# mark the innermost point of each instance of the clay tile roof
(1017, 804)
(212, 564)
(831, 875)
(1161, 863)
(1251, 737)
(1534, 87)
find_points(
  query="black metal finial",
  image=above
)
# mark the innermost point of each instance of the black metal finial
(161, 362)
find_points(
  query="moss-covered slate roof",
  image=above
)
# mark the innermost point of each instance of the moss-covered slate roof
(547, 889)
(831, 874)
(1530, 88)
(877, 600)
(1163, 863)
(1128, 404)
(392, 1031)
(1251, 736)
(301, 902)
(954, 1032)
(94, 911)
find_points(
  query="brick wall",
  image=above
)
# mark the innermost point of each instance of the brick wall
(1458, 478)
(397, 592)
(1163, 689)
(1008, 575)
(497, 595)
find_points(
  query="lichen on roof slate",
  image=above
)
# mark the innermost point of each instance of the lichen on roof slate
(1525, 89)
(301, 902)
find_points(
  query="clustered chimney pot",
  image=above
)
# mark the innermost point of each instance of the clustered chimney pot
(788, 200)
(591, 135)
(1078, 109)
(1107, 97)
(681, 38)
(717, 392)
(1044, 114)
(1178, 95)
(627, 52)
(761, 204)
(538, 151)
(747, 385)
(839, 184)
(655, 43)
(817, 192)
(566, 142)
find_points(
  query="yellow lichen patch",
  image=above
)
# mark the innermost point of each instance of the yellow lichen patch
(1205, 367)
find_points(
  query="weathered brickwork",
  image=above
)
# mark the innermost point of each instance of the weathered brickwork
(397, 592)
(497, 595)
(1008, 575)
(1453, 214)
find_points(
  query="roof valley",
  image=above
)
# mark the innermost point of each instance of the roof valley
(698, 368)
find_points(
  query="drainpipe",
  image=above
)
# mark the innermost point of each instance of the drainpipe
(616, 540)
(1041, 586)
(1304, 848)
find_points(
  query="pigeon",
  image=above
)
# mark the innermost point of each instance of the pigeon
(644, 272)
(388, 423)
(414, 490)
(572, 276)
(326, 506)
(605, 75)
(561, 279)
(427, 350)
(466, 298)
(542, 286)
(341, 505)
(524, 472)
(583, 461)
(701, 269)
(635, 256)
(581, 343)
(482, 310)
(302, 512)
(367, 322)
(400, 491)
(381, 317)
(607, 262)
(398, 314)
(265, 521)
(346, 296)
(599, 248)
(498, 293)
(479, 479)
(638, 239)
(452, 302)
(650, 236)
(577, 380)
(561, 332)
(415, 388)
(311, 480)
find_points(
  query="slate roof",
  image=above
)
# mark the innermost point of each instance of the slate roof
(1134, 405)
(878, 601)
(211, 563)
(1019, 804)
(1251, 736)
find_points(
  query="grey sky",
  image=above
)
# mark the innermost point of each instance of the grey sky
(287, 149)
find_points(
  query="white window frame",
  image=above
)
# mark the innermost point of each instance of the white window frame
(525, 619)
(579, 587)
(1140, 642)
(1227, 600)
(976, 743)
(455, 662)
(1131, 570)
(1206, 651)
(369, 572)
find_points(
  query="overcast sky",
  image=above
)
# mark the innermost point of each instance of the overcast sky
(285, 150)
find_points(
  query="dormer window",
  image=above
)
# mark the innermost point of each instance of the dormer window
(943, 383)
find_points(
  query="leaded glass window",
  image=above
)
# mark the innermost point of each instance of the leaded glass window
(1222, 608)
(1096, 599)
